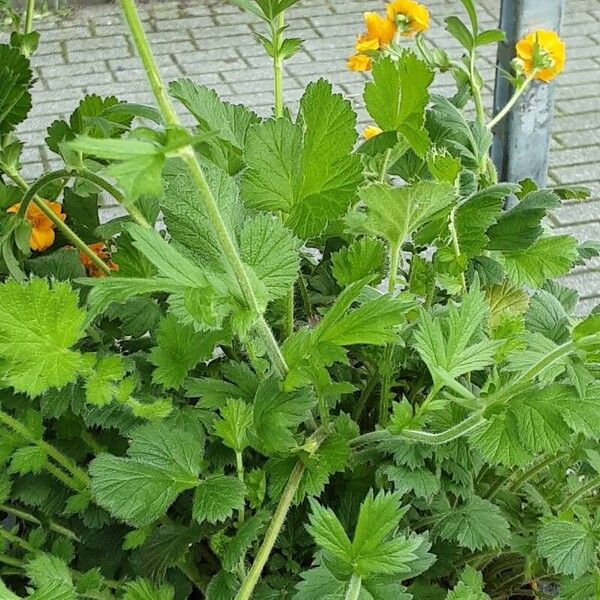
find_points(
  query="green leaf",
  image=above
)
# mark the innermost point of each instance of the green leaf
(306, 170)
(393, 213)
(179, 349)
(362, 258)
(100, 385)
(320, 583)
(38, 326)
(235, 548)
(453, 341)
(144, 589)
(470, 587)
(490, 36)
(520, 227)
(235, 424)
(475, 525)
(15, 80)
(277, 414)
(329, 534)
(51, 578)
(397, 97)
(546, 259)
(570, 548)
(139, 165)
(457, 29)
(163, 462)
(228, 123)
(420, 482)
(216, 498)
(271, 250)
(29, 459)
(477, 214)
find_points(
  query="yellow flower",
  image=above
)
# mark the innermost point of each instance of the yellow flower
(371, 131)
(543, 53)
(42, 228)
(100, 250)
(366, 44)
(379, 28)
(359, 62)
(409, 16)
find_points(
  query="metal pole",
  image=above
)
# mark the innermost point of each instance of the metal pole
(522, 140)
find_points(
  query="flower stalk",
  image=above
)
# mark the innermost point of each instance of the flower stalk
(188, 156)
(509, 105)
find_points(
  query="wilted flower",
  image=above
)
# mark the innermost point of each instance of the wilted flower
(408, 16)
(371, 131)
(541, 54)
(100, 250)
(42, 228)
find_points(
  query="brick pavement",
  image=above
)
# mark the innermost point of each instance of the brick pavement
(213, 43)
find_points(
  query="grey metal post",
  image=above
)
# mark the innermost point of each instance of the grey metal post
(522, 140)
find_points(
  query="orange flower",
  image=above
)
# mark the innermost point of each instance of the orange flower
(543, 53)
(359, 62)
(100, 250)
(408, 16)
(371, 131)
(42, 228)
(379, 28)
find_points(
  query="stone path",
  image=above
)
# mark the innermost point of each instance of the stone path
(213, 43)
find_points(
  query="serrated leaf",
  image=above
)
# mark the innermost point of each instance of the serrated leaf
(247, 533)
(15, 80)
(271, 250)
(144, 589)
(234, 425)
(569, 547)
(470, 587)
(329, 533)
(179, 349)
(216, 497)
(397, 97)
(393, 213)
(38, 326)
(475, 525)
(277, 414)
(362, 258)
(319, 583)
(163, 462)
(420, 482)
(454, 341)
(29, 459)
(100, 385)
(546, 259)
(305, 170)
(51, 577)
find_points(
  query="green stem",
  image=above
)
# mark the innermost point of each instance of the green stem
(278, 65)
(25, 516)
(285, 502)
(476, 89)
(91, 443)
(29, 16)
(508, 106)
(455, 244)
(212, 209)
(13, 562)
(465, 427)
(279, 517)
(305, 298)
(189, 569)
(364, 397)
(288, 318)
(546, 362)
(534, 470)
(16, 540)
(354, 587)
(385, 166)
(239, 463)
(584, 490)
(78, 474)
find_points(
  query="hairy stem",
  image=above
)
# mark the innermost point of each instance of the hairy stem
(527, 475)
(11, 538)
(285, 502)
(354, 587)
(277, 522)
(79, 475)
(455, 244)
(509, 105)
(278, 64)
(476, 89)
(189, 157)
(583, 491)
(25, 516)
(29, 16)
